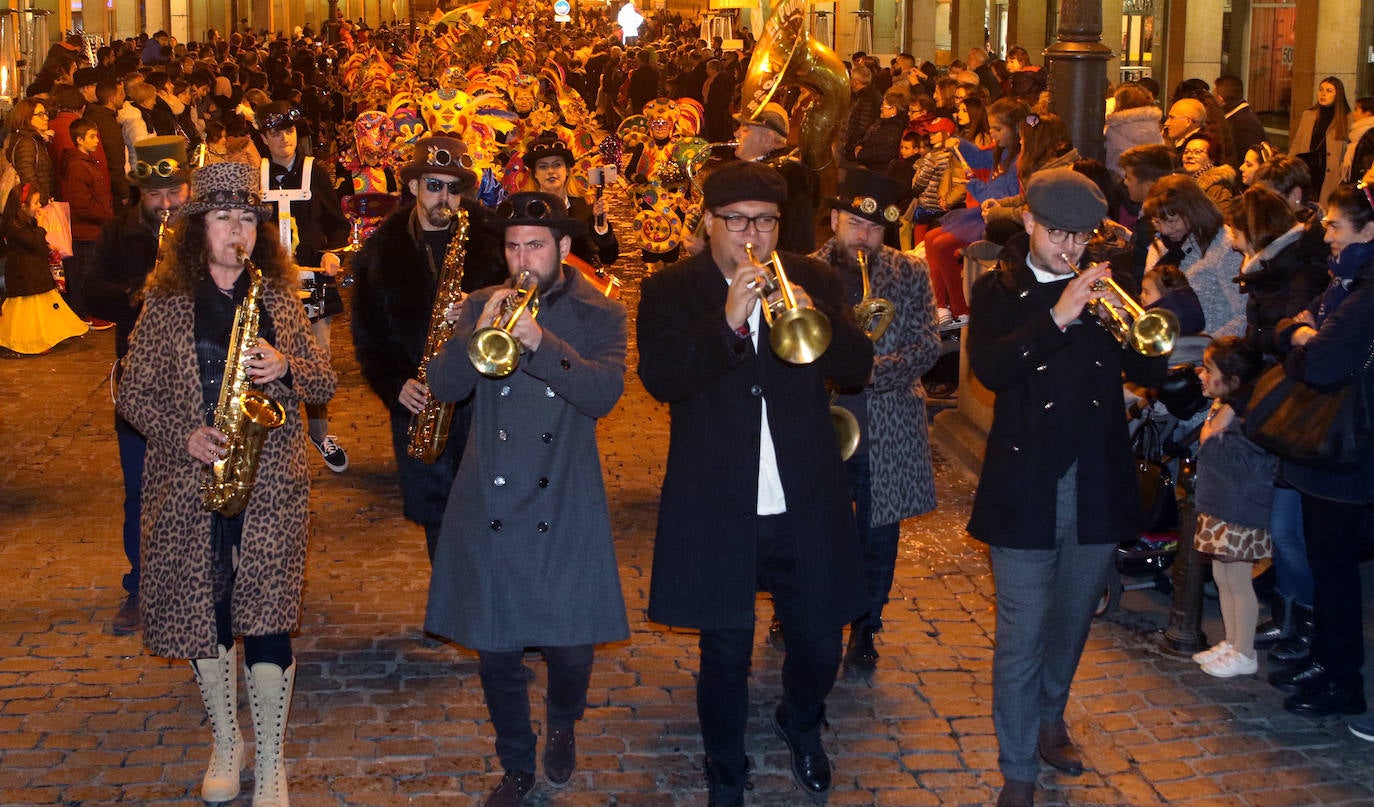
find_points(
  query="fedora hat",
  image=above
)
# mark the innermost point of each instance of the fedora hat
(227, 186)
(440, 154)
(535, 209)
(161, 163)
(870, 196)
(547, 144)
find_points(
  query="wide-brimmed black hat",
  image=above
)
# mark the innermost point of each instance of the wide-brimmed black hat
(161, 163)
(535, 209)
(547, 144)
(227, 186)
(440, 154)
(870, 196)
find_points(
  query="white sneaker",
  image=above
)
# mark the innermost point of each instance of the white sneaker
(1231, 664)
(943, 317)
(1212, 653)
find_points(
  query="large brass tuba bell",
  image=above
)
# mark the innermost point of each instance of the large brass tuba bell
(1149, 332)
(493, 350)
(872, 314)
(798, 334)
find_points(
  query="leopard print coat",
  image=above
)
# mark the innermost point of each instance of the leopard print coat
(160, 395)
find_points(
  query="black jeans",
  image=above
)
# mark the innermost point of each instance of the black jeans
(506, 688)
(132, 448)
(879, 540)
(1333, 530)
(808, 669)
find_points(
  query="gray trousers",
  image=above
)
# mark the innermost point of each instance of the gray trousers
(1045, 604)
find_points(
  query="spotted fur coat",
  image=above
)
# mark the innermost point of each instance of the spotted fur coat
(160, 395)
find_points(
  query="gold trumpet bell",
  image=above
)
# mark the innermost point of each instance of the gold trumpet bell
(1155, 332)
(799, 335)
(846, 428)
(494, 352)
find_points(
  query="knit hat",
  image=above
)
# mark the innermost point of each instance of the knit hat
(227, 186)
(161, 163)
(1063, 199)
(742, 181)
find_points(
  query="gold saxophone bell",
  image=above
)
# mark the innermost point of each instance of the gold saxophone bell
(493, 350)
(798, 334)
(872, 314)
(1150, 332)
(445, 213)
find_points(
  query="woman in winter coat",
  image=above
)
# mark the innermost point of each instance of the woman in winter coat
(1202, 161)
(1189, 232)
(1134, 121)
(879, 145)
(27, 146)
(1321, 136)
(210, 575)
(34, 316)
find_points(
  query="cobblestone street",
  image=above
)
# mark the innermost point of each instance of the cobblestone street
(381, 718)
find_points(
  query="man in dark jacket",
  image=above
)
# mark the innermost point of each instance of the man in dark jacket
(109, 97)
(1247, 131)
(397, 274)
(123, 257)
(864, 106)
(1058, 488)
(751, 434)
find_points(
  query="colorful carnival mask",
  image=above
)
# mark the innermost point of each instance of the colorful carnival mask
(374, 132)
(523, 94)
(662, 116)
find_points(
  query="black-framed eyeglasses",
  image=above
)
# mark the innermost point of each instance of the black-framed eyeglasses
(164, 168)
(454, 187)
(1060, 236)
(281, 120)
(737, 223)
(443, 158)
(531, 208)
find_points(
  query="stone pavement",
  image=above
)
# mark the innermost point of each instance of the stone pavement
(379, 718)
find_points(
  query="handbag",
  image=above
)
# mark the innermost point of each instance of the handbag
(1309, 425)
(1158, 499)
(953, 187)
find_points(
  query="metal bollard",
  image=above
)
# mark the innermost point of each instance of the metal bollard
(1184, 636)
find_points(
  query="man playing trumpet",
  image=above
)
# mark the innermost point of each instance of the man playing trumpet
(1058, 489)
(525, 558)
(890, 475)
(755, 493)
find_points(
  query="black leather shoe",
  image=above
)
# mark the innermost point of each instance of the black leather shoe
(1332, 699)
(560, 756)
(1057, 749)
(775, 639)
(860, 657)
(810, 765)
(514, 787)
(1300, 679)
(1278, 626)
(1295, 651)
(1016, 794)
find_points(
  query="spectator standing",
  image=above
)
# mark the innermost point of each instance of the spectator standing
(86, 187)
(109, 97)
(1359, 150)
(880, 144)
(1247, 131)
(27, 146)
(1321, 136)
(1134, 121)
(865, 103)
(33, 317)
(1190, 233)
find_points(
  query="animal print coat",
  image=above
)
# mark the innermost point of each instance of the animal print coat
(160, 395)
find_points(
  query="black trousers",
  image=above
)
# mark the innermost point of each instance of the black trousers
(808, 669)
(1333, 531)
(505, 685)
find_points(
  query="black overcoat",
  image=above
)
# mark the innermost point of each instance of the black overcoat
(1057, 392)
(704, 573)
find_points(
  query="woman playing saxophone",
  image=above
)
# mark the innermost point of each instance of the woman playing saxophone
(222, 309)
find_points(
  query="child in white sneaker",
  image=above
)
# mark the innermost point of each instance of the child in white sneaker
(1234, 491)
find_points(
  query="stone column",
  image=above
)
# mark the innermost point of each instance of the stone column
(155, 17)
(920, 34)
(125, 22)
(965, 26)
(1077, 66)
(1026, 26)
(179, 21)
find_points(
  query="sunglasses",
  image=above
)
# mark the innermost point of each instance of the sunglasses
(281, 120)
(534, 208)
(164, 168)
(454, 187)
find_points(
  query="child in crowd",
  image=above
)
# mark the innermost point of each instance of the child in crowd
(1165, 286)
(34, 317)
(86, 187)
(928, 207)
(1234, 494)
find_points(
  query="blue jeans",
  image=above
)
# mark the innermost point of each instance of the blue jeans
(879, 541)
(132, 447)
(1292, 574)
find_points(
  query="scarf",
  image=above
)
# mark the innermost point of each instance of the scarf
(1345, 268)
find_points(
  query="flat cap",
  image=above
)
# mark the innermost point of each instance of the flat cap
(1063, 199)
(743, 181)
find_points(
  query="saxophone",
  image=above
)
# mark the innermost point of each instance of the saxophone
(244, 414)
(429, 427)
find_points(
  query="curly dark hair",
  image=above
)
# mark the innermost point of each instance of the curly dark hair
(183, 260)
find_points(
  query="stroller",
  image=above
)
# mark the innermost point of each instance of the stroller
(1164, 425)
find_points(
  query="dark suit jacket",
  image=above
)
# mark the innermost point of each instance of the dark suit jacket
(704, 572)
(1247, 132)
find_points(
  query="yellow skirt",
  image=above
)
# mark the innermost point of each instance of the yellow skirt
(34, 323)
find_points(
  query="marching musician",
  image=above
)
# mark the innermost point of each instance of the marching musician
(309, 221)
(124, 255)
(396, 273)
(890, 474)
(209, 577)
(1058, 490)
(550, 162)
(526, 558)
(763, 138)
(755, 493)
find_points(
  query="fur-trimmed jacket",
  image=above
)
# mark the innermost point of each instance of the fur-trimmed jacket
(1127, 128)
(395, 284)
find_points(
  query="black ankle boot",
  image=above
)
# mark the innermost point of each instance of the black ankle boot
(1296, 651)
(1278, 626)
(861, 656)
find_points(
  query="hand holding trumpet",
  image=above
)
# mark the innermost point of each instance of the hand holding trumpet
(526, 330)
(1077, 293)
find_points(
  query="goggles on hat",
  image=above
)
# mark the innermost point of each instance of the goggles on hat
(166, 167)
(281, 120)
(533, 208)
(440, 157)
(867, 205)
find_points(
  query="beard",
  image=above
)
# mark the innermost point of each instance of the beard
(435, 217)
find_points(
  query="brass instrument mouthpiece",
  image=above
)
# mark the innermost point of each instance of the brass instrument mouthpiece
(445, 213)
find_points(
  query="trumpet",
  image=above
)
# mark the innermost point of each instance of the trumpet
(493, 351)
(872, 314)
(798, 334)
(1149, 333)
